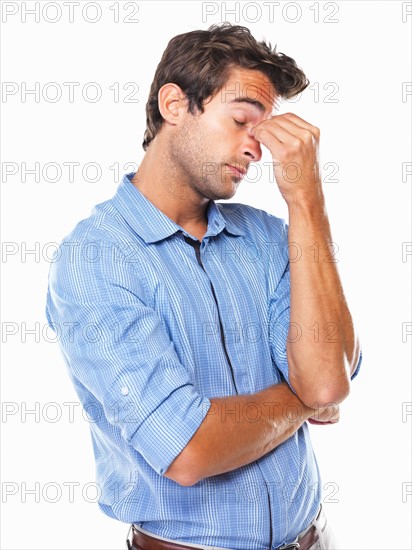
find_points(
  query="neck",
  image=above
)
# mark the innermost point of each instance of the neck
(165, 184)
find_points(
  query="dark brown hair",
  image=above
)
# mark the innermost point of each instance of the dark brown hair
(200, 61)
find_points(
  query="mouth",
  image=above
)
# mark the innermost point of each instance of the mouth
(239, 172)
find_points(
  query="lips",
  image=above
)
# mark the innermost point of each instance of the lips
(239, 171)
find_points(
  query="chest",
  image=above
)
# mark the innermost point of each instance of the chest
(213, 302)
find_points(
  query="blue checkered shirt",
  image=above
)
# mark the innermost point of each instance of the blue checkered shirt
(151, 327)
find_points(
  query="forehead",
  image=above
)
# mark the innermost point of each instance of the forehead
(249, 86)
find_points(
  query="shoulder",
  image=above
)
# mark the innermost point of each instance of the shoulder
(104, 230)
(92, 253)
(104, 223)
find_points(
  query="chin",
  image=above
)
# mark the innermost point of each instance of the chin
(221, 190)
(225, 196)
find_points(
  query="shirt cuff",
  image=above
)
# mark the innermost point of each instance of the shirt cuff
(166, 432)
(356, 371)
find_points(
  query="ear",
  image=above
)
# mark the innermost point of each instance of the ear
(172, 102)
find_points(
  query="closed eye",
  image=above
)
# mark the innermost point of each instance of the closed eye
(239, 123)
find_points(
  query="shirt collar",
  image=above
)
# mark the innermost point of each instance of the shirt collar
(153, 225)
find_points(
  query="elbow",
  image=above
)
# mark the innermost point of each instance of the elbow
(333, 394)
(187, 482)
(324, 396)
(320, 381)
(321, 393)
(184, 479)
(183, 470)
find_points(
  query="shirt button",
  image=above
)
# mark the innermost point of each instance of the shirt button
(125, 391)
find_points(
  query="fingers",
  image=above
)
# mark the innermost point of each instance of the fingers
(288, 129)
(303, 124)
(269, 138)
(281, 131)
(318, 422)
(326, 415)
(293, 143)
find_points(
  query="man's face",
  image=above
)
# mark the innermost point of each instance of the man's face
(214, 149)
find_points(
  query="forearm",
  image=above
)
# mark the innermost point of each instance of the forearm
(238, 430)
(322, 347)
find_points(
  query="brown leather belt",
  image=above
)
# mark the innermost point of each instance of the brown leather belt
(141, 541)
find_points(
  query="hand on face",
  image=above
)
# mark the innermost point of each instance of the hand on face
(293, 143)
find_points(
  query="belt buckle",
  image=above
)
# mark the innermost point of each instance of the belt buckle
(290, 546)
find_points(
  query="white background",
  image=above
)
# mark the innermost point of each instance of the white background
(365, 460)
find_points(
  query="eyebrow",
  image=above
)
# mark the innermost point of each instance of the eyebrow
(251, 101)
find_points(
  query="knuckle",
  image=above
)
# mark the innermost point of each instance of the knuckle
(307, 136)
(296, 145)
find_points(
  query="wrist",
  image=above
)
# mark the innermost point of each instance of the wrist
(306, 204)
(308, 214)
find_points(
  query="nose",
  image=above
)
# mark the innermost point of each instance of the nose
(251, 148)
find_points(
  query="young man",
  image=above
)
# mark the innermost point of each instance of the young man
(188, 333)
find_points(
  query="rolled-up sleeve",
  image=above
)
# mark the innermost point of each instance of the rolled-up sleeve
(279, 321)
(118, 348)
